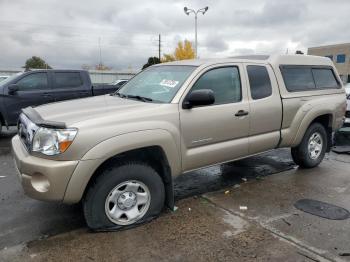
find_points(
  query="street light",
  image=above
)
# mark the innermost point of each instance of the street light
(187, 12)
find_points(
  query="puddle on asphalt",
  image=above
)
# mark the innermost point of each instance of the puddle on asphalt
(218, 177)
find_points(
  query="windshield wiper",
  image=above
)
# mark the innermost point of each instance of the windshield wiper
(141, 98)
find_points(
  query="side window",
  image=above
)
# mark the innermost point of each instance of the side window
(68, 80)
(298, 78)
(324, 78)
(224, 82)
(36, 81)
(259, 80)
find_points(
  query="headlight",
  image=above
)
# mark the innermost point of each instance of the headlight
(53, 141)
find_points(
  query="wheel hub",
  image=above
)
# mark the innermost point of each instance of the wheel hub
(127, 200)
(315, 145)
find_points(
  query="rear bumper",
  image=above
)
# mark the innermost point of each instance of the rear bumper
(41, 179)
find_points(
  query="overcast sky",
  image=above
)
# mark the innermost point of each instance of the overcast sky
(66, 33)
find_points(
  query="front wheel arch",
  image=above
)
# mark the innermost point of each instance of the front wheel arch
(153, 156)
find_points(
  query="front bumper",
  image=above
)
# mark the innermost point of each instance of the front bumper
(42, 179)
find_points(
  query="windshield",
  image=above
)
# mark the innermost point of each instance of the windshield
(159, 83)
(9, 79)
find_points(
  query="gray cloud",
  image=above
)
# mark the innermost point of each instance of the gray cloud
(66, 33)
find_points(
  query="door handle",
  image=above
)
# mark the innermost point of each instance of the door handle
(242, 113)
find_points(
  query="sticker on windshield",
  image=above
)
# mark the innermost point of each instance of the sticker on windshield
(169, 83)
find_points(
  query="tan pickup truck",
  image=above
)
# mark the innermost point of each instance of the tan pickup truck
(118, 153)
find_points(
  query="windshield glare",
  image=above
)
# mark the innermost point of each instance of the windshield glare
(160, 83)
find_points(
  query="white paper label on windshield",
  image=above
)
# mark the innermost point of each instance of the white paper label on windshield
(169, 83)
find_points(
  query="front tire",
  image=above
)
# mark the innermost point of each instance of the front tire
(312, 149)
(124, 195)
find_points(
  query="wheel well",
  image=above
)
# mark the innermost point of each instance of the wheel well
(153, 156)
(326, 121)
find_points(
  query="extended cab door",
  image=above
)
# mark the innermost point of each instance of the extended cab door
(265, 108)
(70, 85)
(33, 90)
(219, 132)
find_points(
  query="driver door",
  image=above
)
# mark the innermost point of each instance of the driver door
(219, 132)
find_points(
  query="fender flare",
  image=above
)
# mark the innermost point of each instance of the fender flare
(306, 122)
(111, 147)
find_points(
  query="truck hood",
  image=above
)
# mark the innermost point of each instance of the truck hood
(74, 111)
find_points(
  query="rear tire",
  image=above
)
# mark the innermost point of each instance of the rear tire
(312, 149)
(124, 195)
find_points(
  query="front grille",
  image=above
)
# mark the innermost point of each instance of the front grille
(26, 130)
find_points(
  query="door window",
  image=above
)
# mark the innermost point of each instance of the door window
(68, 80)
(259, 80)
(224, 82)
(37, 81)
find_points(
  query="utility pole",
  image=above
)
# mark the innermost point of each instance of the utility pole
(99, 45)
(159, 46)
(195, 32)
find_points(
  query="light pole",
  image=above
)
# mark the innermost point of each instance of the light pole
(187, 12)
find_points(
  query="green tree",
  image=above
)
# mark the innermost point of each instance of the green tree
(36, 62)
(151, 61)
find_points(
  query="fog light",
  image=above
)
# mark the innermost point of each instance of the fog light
(40, 183)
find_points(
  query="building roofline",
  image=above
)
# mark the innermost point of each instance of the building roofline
(328, 46)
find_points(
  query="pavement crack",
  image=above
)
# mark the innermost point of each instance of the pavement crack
(308, 257)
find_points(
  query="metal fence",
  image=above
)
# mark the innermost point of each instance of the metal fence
(106, 77)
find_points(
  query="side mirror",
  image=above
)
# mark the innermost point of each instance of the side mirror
(200, 97)
(12, 89)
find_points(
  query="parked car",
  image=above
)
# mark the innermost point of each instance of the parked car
(118, 154)
(2, 78)
(41, 87)
(347, 114)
